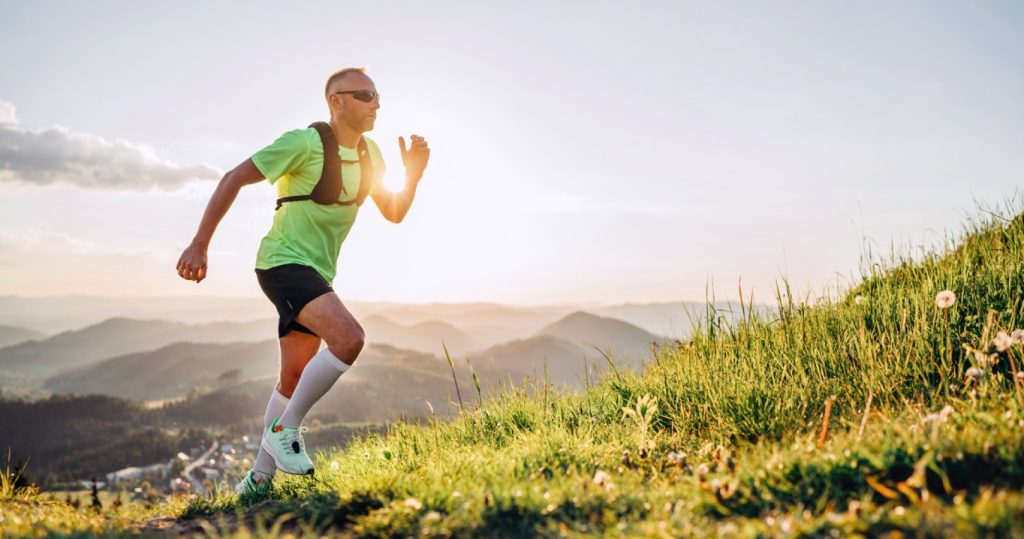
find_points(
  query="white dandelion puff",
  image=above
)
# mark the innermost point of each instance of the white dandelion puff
(1002, 342)
(859, 300)
(973, 373)
(1018, 336)
(413, 503)
(335, 465)
(602, 477)
(945, 299)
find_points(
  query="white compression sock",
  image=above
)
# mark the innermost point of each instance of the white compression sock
(319, 376)
(264, 466)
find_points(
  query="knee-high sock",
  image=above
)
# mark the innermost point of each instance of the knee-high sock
(317, 377)
(264, 466)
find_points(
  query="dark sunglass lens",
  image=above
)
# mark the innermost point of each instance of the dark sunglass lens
(364, 96)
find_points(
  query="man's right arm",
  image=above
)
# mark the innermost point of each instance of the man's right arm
(192, 264)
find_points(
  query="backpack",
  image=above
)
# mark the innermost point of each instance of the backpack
(330, 186)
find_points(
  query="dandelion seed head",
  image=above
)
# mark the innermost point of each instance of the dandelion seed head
(602, 477)
(1018, 336)
(973, 373)
(335, 465)
(413, 503)
(1002, 342)
(859, 300)
(945, 299)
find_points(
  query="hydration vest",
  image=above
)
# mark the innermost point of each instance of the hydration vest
(331, 186)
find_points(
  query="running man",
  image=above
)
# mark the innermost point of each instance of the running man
(297, 260)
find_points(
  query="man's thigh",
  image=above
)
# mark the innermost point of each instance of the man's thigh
(328, 317)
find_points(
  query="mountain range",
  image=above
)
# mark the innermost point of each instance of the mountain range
(119, 336)
(385, 381)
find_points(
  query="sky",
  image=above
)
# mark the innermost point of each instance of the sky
(588, 152)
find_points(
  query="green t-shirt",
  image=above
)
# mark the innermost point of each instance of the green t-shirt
(305, 232)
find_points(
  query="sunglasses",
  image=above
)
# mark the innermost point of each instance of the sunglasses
(362, 95)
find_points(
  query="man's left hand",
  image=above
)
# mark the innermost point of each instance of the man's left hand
(415, 157)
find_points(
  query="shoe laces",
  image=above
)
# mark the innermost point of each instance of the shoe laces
(291, 435)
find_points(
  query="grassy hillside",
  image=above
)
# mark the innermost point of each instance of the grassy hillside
(869, 413)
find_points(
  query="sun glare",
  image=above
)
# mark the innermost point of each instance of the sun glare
(394, 182)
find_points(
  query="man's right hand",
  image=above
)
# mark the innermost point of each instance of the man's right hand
(192, 264)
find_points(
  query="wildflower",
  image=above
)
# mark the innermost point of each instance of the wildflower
(334, 465)
(945, 299)
(941, 416)
(413, 503)
(1018, 336)
(1020, 375)
(677, 459)
(855, 509)
(859, 300)
(1002, 342)
(602, 478)
(973, 373)
(432, 516)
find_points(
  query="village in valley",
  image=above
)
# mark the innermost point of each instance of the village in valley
(198, 470)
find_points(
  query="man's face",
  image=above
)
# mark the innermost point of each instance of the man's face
(354, 111)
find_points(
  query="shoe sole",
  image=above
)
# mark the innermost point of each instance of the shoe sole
(289, 471)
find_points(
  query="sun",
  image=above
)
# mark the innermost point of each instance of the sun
(394, 182)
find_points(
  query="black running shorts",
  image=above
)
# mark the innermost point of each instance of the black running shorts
(291, 287)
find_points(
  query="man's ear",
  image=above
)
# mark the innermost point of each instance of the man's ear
(335, 102)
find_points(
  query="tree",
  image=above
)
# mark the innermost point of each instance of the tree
(96, 504)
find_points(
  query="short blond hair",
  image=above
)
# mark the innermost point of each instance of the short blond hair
(340, 74)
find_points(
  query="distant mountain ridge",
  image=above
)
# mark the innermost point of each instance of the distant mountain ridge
(169, 372)
(10, 335)
(428, 337)
(608, 334)
(120, 336)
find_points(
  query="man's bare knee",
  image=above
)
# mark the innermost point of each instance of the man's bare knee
(347, 341)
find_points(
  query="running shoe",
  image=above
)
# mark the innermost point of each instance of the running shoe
(285, 444)
(250, 484)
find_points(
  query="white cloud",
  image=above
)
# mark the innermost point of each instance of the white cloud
(56, 155)
(7, 113)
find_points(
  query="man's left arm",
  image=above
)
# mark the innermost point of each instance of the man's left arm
(394, 205)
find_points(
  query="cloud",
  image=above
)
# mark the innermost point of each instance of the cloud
(56, 155)
(7, 113)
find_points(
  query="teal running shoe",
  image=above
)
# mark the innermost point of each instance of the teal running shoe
(285, 444)
(251, 484)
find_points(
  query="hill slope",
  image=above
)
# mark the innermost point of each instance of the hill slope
(749, 428)
(13, 335)
(119, 336)
(622, 339)
(426, 337)
(860, 415)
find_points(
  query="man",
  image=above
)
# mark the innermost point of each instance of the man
(297, 259)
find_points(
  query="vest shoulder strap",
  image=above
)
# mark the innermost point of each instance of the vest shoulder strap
(330, 186)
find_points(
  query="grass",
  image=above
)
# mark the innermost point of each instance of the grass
(848, 415)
